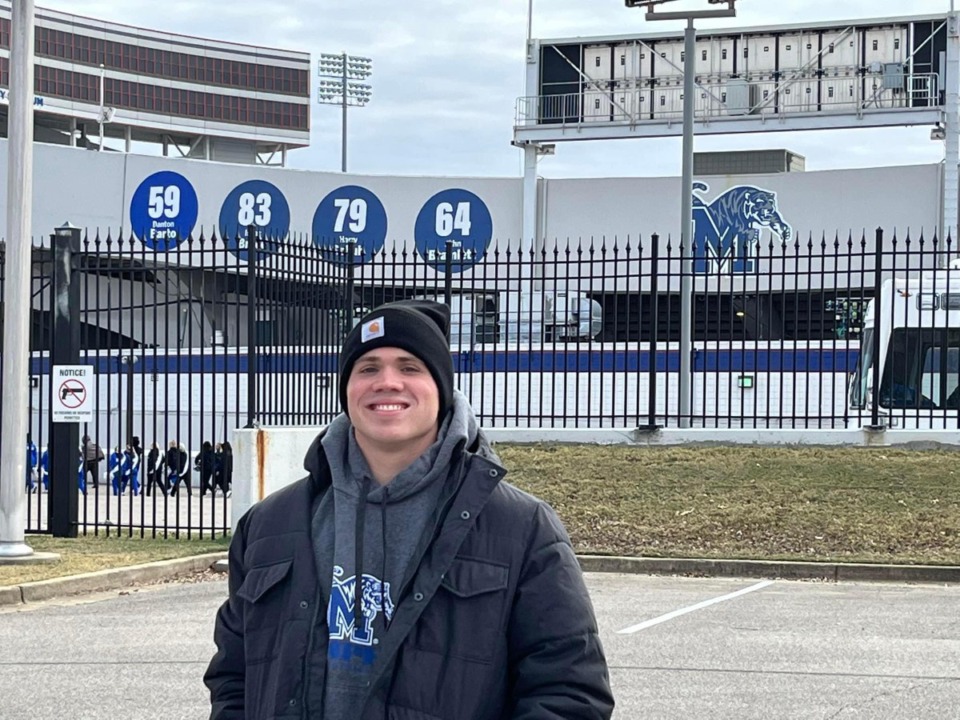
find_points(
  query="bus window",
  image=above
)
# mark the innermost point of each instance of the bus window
(941, 374)
(859, 381)
(922, 369)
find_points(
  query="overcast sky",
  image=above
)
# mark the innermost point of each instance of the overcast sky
(447, 74)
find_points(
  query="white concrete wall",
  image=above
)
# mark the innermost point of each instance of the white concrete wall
(268, 459)
(94, 190)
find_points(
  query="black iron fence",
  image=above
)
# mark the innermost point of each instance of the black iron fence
(213, 334)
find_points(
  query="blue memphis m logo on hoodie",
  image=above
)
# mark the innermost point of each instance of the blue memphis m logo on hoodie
(344, 630)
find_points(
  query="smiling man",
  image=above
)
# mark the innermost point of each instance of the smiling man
(404, 578)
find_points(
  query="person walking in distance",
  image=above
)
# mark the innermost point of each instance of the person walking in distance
(205, 464)
(154, 475)
(404, 577)
(32, 462)
(131, 471)
(92, 457)
(178, 468)
(227, 467)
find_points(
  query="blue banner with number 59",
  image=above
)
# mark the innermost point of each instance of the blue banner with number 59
(163, 210)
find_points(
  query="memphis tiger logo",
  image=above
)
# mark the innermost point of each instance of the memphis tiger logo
(375, 599)
(727, 231)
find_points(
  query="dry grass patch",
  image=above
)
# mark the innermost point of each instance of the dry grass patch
(89, 553)
(824, 504)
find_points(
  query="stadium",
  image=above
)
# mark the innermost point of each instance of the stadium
(566, 291)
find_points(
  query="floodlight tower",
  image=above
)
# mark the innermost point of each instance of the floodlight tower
(686, 187)
(338, 85)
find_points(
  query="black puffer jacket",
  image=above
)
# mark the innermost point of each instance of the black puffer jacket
(493, 622)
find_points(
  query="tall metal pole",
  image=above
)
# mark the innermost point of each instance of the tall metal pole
(343, 130)
(100, 117)
(686, 224)
(17, 295)
(951, 126)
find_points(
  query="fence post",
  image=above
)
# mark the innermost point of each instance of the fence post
(63, 453)
(448, 274)
(252, 340)
(655, 329)
(351, 286)
(875, 375)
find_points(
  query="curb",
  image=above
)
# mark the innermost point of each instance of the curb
(104, 580)
(785, 570)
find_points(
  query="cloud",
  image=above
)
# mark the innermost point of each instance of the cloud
(447, 75)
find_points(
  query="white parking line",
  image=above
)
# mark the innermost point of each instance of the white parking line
(699, 606)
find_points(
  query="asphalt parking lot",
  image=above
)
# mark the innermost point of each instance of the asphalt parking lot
(677, 648)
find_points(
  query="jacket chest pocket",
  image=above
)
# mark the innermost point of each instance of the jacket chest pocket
(263, 589)
(465, 617)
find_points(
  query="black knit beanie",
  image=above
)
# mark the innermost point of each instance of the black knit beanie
(421, 327)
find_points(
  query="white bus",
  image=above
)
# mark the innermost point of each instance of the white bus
(910, 359)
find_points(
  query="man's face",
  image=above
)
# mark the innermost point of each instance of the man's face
(393, 401)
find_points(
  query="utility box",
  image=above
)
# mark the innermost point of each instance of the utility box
(741, 96)
(893, 76)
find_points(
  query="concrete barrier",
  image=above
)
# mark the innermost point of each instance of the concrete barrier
(268, 459)
(264, 461)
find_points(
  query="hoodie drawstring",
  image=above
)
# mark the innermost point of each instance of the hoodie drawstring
(358, 547)
(383, 558)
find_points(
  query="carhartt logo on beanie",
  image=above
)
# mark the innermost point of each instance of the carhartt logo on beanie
(371, 330)
(421, 327)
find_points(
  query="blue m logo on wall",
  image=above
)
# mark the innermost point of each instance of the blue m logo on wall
(351, 638)
(727, 231)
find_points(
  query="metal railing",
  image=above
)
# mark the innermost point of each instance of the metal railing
(212, 335)
(638, 101)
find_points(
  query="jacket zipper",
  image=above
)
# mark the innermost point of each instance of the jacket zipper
(438, 526)
(304, 699)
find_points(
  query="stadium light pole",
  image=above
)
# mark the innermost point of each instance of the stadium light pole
(16, 291)
(339, 77)
(686, 183)
(100, 113)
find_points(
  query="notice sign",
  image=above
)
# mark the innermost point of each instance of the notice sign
(72, 393)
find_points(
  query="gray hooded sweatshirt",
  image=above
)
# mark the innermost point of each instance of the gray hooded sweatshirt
(361, 528)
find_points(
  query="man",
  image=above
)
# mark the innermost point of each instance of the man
(92, 457)
(155, 470)
(470, 604)
(205, 464)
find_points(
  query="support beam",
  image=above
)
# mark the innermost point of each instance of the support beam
(531, 158)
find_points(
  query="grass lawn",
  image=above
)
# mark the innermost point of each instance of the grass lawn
(89, 553)
(821, 504)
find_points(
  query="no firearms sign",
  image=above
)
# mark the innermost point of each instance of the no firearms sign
(72, 393)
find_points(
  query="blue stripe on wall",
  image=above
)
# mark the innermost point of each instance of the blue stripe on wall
(560, 360)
